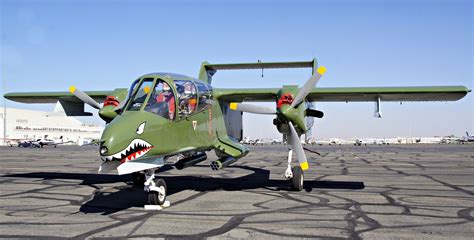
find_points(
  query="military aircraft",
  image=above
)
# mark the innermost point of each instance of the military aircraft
(165, 114)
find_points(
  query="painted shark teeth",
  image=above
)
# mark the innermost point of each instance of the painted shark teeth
(134, 150)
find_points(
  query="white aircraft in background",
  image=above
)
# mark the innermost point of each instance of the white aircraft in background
(50, 142)
(319, 142)
(277, 141)
(363, 141)
(467, 138)
(252, 141)
(451, 139)
(373, 141)
(337, 141)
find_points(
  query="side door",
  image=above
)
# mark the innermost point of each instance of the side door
(193, 112)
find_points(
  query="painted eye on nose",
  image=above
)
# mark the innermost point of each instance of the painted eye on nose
(141, 128)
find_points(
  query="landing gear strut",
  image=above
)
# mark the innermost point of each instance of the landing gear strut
(156, 188)
(294, 175)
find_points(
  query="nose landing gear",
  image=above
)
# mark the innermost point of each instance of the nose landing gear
(157, 197)
(294, 175)
(298, 178)
(157, 191)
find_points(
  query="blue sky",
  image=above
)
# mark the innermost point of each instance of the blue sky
(50, 45)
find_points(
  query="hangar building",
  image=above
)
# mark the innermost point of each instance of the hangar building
(29, 124)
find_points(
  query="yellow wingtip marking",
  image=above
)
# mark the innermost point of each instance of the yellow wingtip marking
(321, 70)
(304, 165)
(72, 89)
(233, 106)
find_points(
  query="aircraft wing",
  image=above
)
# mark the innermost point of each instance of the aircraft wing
(250, 94)
(351, 94)
(53, 97)
(66, 102)
(398, 94)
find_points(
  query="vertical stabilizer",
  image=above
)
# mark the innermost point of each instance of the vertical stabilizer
(205, 73)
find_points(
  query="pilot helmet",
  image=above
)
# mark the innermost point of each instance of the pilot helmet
(188, 88)
(166, 87)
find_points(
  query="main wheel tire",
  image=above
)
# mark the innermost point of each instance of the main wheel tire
(155, 198)
(138, 179)
(298, 179)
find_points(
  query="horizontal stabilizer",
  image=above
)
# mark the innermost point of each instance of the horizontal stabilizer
(208, 70)
(260, 65)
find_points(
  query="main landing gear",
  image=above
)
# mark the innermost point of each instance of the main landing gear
(156, 188)
(294, 175)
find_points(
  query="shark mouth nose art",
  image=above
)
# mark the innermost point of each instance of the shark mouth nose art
(135, 149)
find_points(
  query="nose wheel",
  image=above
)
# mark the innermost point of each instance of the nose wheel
(156, 188)
(297, 180)
(294, 174)
(158, 197)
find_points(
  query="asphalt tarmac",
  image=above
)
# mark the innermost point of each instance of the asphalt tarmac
(372, 192)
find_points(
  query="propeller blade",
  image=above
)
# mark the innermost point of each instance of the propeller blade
(297, 147)
(251, 108)
(310, 84)
(84, 97)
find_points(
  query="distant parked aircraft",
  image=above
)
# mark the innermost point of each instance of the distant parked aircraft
(467, 138)
(50, 142)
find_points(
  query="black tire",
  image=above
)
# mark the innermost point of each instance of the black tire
(138, 179)
(154, 198)
(298, 179)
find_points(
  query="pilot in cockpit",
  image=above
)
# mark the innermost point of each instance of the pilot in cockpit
(167, 96)
(187, 97)
(162, 101)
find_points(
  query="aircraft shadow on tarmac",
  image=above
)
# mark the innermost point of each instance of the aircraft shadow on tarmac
(128, 196)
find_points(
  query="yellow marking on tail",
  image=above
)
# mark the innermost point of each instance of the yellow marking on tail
(233, 106)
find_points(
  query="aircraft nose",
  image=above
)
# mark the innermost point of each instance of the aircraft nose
(125, 135)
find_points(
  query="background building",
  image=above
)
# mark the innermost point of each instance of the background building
(29, 124)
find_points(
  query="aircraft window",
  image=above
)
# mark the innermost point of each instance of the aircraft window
(204, 96)
(141, 94)
(162, 101)
(132, 88)
(187, 97)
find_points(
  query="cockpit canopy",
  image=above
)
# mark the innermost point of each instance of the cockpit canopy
(169, 96)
